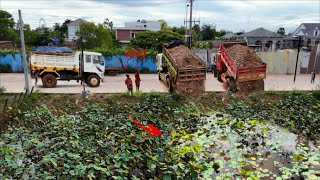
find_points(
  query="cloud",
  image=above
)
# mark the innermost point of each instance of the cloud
(234, 15)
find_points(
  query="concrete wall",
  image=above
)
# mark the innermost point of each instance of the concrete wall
(148, 63)
(281, 62)
(14, 60)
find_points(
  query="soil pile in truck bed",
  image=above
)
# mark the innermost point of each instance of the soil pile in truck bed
(243, 56)
(185, 57)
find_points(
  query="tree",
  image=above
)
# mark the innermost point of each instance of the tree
(7, 31)
(181, 30)
(164, 24)
(281, 31)
(95, 35)
(108, 24)
(61, 32)
(196, 28)
(208, 32)
(240, 32)
(154, 40)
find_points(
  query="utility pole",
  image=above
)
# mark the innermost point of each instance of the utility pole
(186, 23)
(190, 25)
(84, 92)
(317, 57)
(23, 49)
(295, 71)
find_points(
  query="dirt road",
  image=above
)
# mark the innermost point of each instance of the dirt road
(14, 83)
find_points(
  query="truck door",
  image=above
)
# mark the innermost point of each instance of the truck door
(159, 62)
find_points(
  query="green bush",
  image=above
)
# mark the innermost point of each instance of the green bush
(2, 89)
(5, 68)
(10, 51)
(316, 93)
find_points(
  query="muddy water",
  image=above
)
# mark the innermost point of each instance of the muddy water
(261, 150)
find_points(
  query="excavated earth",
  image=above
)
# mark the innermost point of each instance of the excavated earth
(244, 56)
(185, 58)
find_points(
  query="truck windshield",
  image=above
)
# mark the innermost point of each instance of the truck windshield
(98, 60)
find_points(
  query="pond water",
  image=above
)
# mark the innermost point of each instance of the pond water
(255, 150)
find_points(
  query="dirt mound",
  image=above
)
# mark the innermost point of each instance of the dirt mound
(251, 86)
(243, 56)
(185, 57)
(191, 87)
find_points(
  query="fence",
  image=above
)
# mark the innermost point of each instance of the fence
(279, 62)
(148, 63)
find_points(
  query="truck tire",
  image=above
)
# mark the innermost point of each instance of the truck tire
(112, 73)
(93, 80)
(49, 81)
(219, 76)
(232, 85)
(169, 85)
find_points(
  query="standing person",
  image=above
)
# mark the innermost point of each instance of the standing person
(313, 75)
(128, 82)
(137, 80)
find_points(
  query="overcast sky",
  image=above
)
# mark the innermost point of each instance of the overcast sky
(233, 15)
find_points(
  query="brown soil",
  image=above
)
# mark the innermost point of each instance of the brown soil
(191, 87)
(251, 86)
(243, 56)
(184, 57)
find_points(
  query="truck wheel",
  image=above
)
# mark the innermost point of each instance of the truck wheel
(219, 76)
(49, 81)
(93, 80)
(112, 73)
(169, 85)
(232, 85)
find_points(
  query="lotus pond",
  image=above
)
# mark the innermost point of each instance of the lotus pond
(264, 136)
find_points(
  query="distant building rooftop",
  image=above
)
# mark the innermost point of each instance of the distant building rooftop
(77, 22)
(260, 33)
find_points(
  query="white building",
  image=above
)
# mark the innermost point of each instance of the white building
(130, 29)
(73, 27)
(143, 24)
(310, 33)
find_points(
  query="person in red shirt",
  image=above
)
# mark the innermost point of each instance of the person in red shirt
(137, 80)
(128, 82)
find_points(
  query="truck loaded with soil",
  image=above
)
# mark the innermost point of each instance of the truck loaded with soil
(240, 68)
(181, 69)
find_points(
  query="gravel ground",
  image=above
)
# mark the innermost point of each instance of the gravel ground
(14, 83)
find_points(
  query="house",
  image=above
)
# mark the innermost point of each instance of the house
(310, 33)
(130, 29)
(6, 45)
(263, 40)
(73, 27)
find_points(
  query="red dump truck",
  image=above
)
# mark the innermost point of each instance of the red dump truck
(235, 77)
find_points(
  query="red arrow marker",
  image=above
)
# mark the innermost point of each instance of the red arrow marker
(152, 130)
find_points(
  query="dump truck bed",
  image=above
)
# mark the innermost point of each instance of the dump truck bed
(54, 60)
(188, 72)
(241, 74)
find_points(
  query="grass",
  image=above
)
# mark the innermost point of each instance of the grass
(2, 90)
